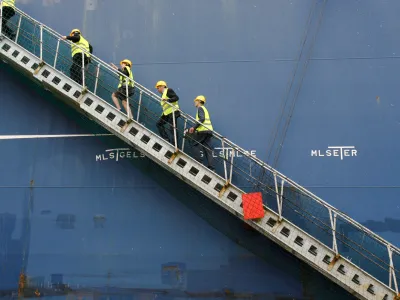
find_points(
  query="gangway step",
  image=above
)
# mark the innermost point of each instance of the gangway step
(290, 237)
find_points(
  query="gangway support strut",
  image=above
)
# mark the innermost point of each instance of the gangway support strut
(273, 224)
(40, 66)
(224, 189)
(173, 156)
(333, 262)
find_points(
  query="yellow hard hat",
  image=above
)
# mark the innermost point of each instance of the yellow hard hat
(200, 98)
(126, 61)
(161, 83)
(75, 30)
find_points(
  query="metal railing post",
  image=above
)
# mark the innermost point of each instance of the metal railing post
(128, 108)
(230, 172)
(183, 139)
(279, 196)
(56, 56)
(332, 218)
(41, 42)
(174, 123)
(19, 26)
(225, 158)
(140, 104)
(83, 69)
(392, 273)
(97, 79)
(127, 98)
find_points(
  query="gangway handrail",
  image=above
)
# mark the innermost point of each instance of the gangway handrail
(156, 98)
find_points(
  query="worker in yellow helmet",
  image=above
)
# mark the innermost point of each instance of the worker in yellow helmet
(76, 52)
(168, 95)
(120, 93)
(8, 13)
(202, 132)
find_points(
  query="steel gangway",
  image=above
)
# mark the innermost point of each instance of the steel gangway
(325, 238)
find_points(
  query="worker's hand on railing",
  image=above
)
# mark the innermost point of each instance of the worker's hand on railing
(113, 66)
(64, 37)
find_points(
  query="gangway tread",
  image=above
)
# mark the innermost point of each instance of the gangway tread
(221, 189)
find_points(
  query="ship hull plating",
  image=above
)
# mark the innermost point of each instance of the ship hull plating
(284, 79)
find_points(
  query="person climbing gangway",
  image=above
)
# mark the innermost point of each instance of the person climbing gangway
(78, 43)
(202, 132)
(168, 95)
(125, 86)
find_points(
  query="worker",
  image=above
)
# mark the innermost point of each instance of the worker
(202, 132)
(78, 40)
(168, 95)
(120, 93)
(8, 12)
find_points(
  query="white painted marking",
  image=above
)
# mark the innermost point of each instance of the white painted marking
(49, 136)
(117, 149)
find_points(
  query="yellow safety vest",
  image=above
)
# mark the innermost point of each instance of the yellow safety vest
(83, 43)
(9, 3)
(166, 106)
(207, 121)
(122, 79)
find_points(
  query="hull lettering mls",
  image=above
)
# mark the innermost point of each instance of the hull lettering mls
(118, 154)
(336, 151)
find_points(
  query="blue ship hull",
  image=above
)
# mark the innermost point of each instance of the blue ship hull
(86, 215)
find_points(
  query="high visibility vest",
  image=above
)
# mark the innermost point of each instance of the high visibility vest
(167, 107)
(207, 121)
(83, 43)
(9, 3)
(122, 79)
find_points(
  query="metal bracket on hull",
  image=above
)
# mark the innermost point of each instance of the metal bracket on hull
(222, 191)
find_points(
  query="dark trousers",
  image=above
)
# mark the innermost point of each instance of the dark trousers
(202, 143)
(76, 68)
(168, 121)
(8, 13)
